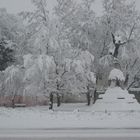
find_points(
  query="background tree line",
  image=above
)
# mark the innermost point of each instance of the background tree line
(69, 53)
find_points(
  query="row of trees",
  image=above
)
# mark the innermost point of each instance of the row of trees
(63, 54)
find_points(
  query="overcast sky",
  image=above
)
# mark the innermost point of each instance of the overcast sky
(15, 6)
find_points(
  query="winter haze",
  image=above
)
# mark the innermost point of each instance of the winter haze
(70, 69)
(15, 6)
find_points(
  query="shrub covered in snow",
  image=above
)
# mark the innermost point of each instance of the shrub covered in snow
(116, 74)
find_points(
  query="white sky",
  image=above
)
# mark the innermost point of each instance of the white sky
(15, 6)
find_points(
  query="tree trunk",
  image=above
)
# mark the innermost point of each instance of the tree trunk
(51, 101)
(58, 100)
(116, 51)
(13, 100)
(13, 103)
(94, 96)
(88, 96)
(126, 80)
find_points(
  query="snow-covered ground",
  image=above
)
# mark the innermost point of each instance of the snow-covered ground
(67, 116)
(116, 99)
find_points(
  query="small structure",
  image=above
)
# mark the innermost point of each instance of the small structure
(116, 78)
(116, 98)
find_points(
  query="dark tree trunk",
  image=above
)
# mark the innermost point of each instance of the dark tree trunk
(58, 95)
(94, 96)
(58, 100)
(126, 80)
(13, 100)
(13, 103)
(51, 101)
(88, 96)
(116, 51)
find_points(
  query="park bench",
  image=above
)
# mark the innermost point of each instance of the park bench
(19, 105)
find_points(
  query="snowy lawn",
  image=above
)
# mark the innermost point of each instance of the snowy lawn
(66, 117)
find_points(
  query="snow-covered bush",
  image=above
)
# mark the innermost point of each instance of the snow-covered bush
(12, 85)
(116, 74)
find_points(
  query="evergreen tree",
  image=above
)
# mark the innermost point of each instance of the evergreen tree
(6, 55)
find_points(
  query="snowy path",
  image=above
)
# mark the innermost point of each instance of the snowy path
(42, 118)
(69, 122)
(71, 134)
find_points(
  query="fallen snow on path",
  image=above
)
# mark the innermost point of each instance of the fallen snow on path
(42, 118)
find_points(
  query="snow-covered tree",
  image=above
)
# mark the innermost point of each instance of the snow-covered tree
(38, 70)
(13, 83)
(6, 54)
(77, 20)
(83, 78)
(120, 22)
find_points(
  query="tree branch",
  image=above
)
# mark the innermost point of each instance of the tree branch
(131, 31)
(113, 37)
(135, 61)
